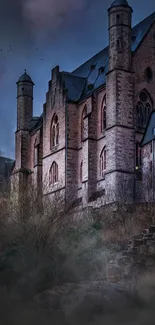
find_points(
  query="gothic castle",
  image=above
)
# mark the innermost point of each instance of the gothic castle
(94, 142)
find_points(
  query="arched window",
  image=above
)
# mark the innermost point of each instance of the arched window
(103, 114)
(81, 169)
(84, 113)
(103, 162)
(53, 174)
(54, 131)
(138, 155)
(143, 108)
(36, 153)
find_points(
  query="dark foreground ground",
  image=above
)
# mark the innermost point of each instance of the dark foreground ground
(85, 303)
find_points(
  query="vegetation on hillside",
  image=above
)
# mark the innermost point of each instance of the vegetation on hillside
(53, 269)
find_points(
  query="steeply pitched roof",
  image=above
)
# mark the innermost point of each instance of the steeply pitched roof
(148, 135)
(35, 123)
(74, 85)
(32, 122)
(6, 165)
(92, 74)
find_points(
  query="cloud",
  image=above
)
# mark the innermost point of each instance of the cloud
(22, 20)
(43, 16)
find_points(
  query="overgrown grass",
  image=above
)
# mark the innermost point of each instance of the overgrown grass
(53, 270)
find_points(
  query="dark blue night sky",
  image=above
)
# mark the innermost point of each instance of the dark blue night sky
(37, 35)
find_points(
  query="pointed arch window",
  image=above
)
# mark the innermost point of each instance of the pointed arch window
(138, 156)
(103, 114)
(81, 171)
(143, 108)
(84, 113)
(103, 162)
(54, 134)
(53, 174)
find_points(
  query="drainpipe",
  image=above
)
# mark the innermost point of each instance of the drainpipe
(66, 144)
(153, 173)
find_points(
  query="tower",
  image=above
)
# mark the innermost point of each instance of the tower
(120, 107)
(120, 14)
(24, 114)
(24, 101)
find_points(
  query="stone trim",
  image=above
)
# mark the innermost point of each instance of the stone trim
(54, 191)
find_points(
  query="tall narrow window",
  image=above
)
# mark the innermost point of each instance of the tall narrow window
(53, 174)
(36, 153)
(150, 167)
(117, 19)
(84, 113)
(103, 115)
(54, 132)
(143, 108)
(138, 155)
(148, 74)
(103, 162)
(81, 170)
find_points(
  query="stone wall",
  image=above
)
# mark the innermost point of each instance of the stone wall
(137, 259)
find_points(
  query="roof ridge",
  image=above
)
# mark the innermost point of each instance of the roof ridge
(106, 48)
(73, 75)
(92, 57)
(6, 158)
(153, 13)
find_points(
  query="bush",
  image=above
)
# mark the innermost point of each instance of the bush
(54, 270)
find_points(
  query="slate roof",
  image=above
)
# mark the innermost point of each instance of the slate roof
(35, 123)
(32, 122)
(74, 85)
(6, 165)
(25, 77)
(91, 75)
(120, 3)
(148, 135)
(89, 71)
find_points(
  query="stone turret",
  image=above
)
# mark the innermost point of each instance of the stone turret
(24, 101)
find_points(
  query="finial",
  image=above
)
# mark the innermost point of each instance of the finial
(25, 70)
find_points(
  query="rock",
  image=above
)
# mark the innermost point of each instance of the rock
(151, 250)
(146, 232)
(138, 242)
(142, 249)
(125, 260)
(125, 253)
(152, 229)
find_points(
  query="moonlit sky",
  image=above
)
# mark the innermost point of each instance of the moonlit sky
(36, 35)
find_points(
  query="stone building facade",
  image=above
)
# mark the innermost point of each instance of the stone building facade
(86, 144)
